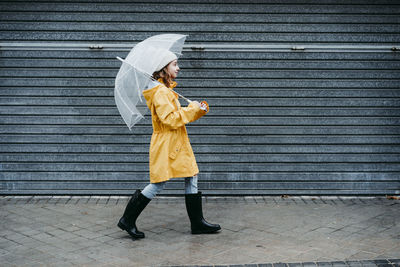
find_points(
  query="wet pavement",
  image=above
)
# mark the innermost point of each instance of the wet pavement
(256, 231)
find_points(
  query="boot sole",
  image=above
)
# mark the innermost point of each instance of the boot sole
(206, 232)
(123, 227)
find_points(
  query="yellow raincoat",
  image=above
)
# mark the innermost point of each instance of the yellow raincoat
(171, 155)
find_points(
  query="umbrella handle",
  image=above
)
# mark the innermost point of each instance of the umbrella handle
(187, 99)
(190, 101)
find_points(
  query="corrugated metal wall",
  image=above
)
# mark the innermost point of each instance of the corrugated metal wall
(283, 120)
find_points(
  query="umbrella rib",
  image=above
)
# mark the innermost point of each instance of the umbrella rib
(126, 104)
(151, 77)
(138, 86)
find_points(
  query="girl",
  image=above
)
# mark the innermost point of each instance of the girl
(171, 155)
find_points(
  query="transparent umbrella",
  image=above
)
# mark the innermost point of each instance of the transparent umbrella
(136, 73)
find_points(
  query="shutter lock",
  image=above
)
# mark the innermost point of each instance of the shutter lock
(95, 47)
(298, 48)
(197, 48)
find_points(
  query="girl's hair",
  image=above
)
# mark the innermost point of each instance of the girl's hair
(164, 75)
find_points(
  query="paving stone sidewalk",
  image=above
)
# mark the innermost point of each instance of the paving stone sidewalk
(257, 231)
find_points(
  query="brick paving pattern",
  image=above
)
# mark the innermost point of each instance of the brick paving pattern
(257, 231)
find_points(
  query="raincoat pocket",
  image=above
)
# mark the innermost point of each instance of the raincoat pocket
(175, 149)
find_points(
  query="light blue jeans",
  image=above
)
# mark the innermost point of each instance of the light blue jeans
(151, 190)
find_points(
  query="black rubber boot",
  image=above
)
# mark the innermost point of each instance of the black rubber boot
(135, 206)
(195, 212)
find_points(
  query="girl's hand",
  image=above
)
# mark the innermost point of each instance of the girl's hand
(202, 106)
(197, 103)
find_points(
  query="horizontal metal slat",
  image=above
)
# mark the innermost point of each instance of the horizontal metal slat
(210, 167)
(209, 120)
(202, 158)
(207, 74)
(204, 176)
(211, 83)
(214, 111)
(215, 186)
(112, 149)
(259, 28)
(228, 138)
(201, 8)
(129, 37)
(189, 64)
(51, 51)
(191, 93)
(32, 129)
(216, 102)
(188, 17)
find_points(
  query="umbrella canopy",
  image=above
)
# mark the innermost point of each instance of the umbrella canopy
(136, 73)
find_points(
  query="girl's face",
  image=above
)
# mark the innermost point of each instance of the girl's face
(173, 69)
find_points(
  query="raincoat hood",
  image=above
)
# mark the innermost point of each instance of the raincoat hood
(153, 87)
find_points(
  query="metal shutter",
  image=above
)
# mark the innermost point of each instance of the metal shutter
(304, 95)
